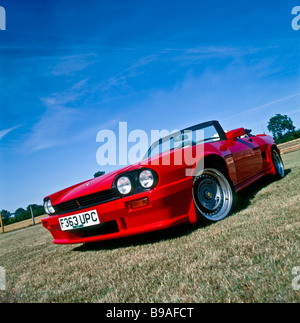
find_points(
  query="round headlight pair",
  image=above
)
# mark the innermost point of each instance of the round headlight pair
(48, 207)
(125, 186)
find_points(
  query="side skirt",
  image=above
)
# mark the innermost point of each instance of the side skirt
(244, 183)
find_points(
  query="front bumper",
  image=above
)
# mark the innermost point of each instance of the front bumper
(168, 206)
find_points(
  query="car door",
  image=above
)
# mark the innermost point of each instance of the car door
(247, 157)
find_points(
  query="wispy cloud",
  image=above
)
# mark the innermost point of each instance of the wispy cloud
(188, 55)
(260, 107)
(52, 129)
(69, 65)
(4, 132)
(203, 50)
(131, 72)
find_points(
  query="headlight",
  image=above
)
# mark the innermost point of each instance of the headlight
(124, 185)
(146, 178)
(48, 207)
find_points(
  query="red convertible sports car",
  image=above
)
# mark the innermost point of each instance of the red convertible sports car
(152, 194)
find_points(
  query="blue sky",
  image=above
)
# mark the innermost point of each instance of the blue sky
(69, 69)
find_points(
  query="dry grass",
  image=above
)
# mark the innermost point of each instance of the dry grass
(248, 257)
(23, 224)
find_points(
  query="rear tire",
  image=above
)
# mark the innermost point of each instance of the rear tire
(277, 163)
(213, 195)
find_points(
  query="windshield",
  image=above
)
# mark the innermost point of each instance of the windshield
(202, 133)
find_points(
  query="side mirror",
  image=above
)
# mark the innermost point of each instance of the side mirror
(235, 133)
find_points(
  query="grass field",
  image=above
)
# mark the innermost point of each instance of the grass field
(23, 224)
(247, 257)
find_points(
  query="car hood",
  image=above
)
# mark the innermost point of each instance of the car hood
(91, 186)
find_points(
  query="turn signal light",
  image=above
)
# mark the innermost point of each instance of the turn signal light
(133, 205)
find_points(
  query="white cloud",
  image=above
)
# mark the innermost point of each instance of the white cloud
(71, 64)
(260, 107)
(131, 72)
(53, 127)
(6, 131)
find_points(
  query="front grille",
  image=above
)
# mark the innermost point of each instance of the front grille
(86, 201)
(66, 207)
(97, 198)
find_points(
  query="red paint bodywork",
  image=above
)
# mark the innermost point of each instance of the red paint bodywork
(170, 201)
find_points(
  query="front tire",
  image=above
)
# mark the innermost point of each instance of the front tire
(213, 194)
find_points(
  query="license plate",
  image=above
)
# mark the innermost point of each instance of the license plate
(80, 220)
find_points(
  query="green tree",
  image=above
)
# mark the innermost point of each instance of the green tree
(280, 125)
(5, 214)
(19, 211)
(34, 207)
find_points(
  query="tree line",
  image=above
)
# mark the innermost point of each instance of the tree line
(21, 214)
(283, 129)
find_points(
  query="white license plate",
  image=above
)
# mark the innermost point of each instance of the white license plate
(80, 220)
